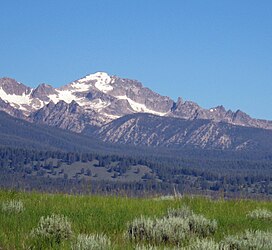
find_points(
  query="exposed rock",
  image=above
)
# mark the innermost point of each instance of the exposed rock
(12, 87)
(67, 116)
(6, 107)
(150, 130)
(98, 99)
(43, 91)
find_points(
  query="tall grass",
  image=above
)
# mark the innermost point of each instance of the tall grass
(92, 215)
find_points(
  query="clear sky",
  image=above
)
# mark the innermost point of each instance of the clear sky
(211, 52)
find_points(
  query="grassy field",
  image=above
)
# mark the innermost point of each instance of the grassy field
(110, 215)
(73, 171)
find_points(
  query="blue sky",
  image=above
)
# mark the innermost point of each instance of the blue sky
(212, 52)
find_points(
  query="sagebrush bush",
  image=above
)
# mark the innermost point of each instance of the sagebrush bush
(140, 229)
(167, 197)
(174, 228)
(53, 229)
(13, 206)
(249, 240)
(153, 247)
(146, 247)
(204, 244)
(196, 244)
(198, 224)
(160, 230)
(92, 242)
(261, 214)
(183, 212)
(201, 226)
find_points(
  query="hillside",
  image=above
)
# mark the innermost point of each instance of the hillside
(19, 133)
(137, 175)
(157, 131)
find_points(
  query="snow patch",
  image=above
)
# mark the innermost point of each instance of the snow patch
(80, 86)
(113, 117)
(96, 104)
(102, 81)
(212, 110)
(63, 95)
(138, 107)
(15, 99)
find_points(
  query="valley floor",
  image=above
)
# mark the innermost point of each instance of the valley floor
(110, 215)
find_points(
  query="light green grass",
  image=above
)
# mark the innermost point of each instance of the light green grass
(110, 215)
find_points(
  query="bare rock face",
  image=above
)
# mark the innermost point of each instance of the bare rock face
(191, 111)
(66, 116)
(133, 91)
(186, 110)
(12, 87)
(6, 107)
(150, 130)
(43, 91)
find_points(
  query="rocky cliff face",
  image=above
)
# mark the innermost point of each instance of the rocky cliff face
(68, 116)
(96, 101)
(6, 107)
(150, 130)
(192, 111)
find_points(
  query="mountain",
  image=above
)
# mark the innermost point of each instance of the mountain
(112, 108)
(6, 107)
(151, 130)
(70, 116)
(100, 99)
(16, 132)
(18, 96)
(192, 111)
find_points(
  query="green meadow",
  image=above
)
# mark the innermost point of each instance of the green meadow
(110, 215)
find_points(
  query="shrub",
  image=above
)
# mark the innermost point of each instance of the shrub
(152, 247)
(170, 230)
(176, 227)
(204, 244)
(183, 212)
(92, 242)
(146, 247)
(199, 225)
(140, 229)
(231, 242)
(163, 230)
(53, 229)
(197, 244)
(262, 214)
(250, 240)
(167, 197)
(13, 206)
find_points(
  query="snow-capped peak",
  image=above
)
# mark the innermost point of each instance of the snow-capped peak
(99, 92)
(94, 77)
(102, 81)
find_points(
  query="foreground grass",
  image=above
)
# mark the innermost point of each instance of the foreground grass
(110, 215)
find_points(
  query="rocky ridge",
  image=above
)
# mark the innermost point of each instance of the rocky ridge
(98, 102)
(150, 130)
